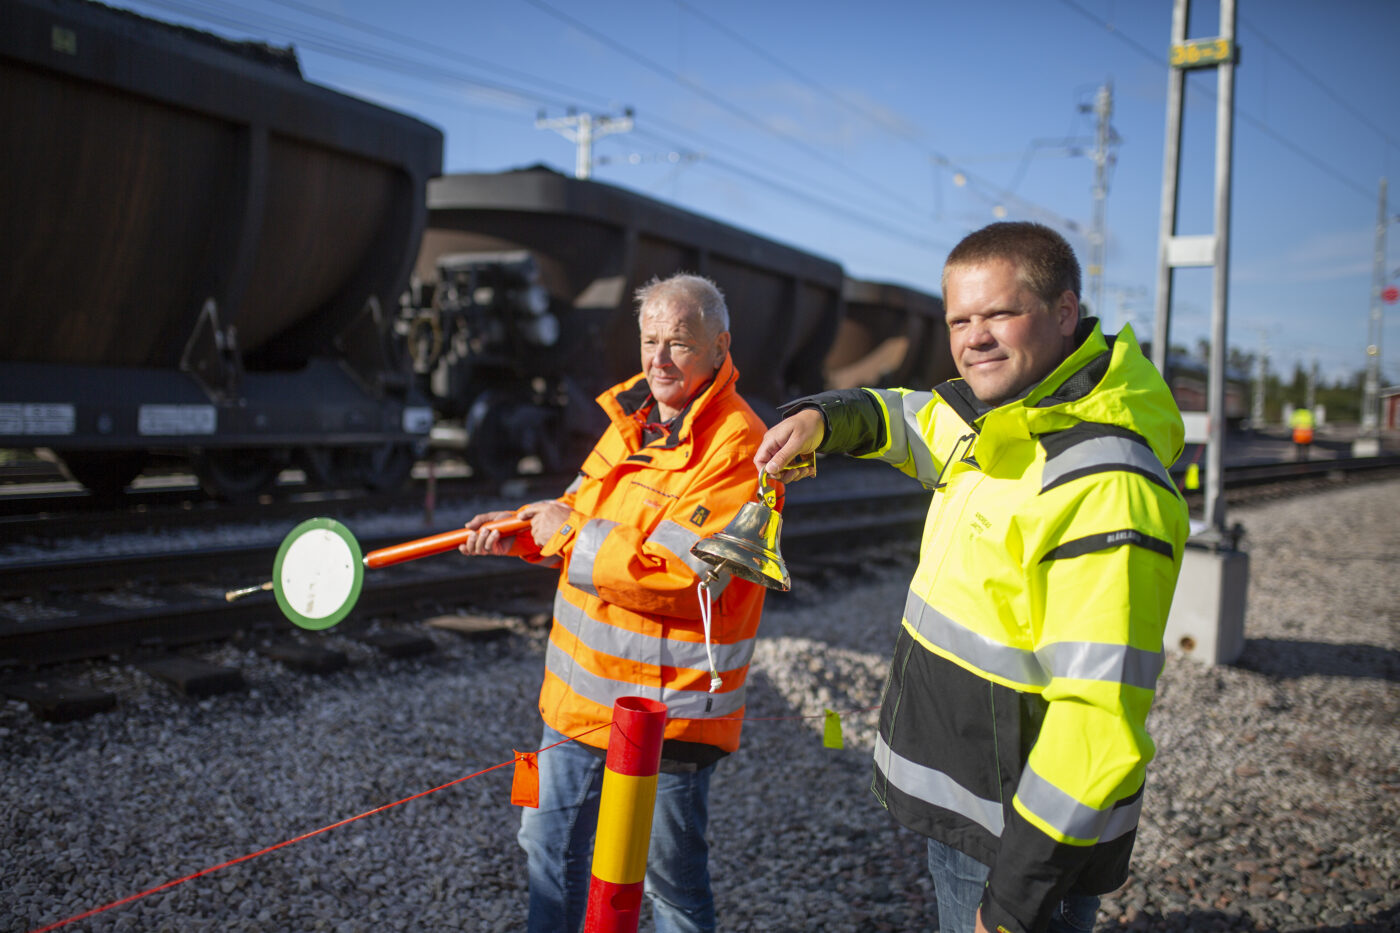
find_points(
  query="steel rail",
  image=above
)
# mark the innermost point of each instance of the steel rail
(52, 611)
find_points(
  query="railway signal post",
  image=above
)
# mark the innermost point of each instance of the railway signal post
(1368, 442)
(1207, 614)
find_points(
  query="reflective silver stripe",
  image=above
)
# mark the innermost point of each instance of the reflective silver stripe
(647, 649)
(590, 539)
(933, 786)
(680, 704)
(679, 540)
(905, 440)
(1086, 660)
(574, 486)
(1005, 661)
(1104, 453)
(1071, 818)
(1122, 819)
(1076, 660)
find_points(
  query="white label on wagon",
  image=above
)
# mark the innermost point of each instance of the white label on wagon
(166, 420)
(37, 418)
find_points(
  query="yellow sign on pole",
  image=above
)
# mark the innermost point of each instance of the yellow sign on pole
(1202, 53)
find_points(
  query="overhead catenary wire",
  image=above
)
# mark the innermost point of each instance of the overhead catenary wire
(900, 198)
(532, 91)
(996, 193)
(524, 98)
(1316, 161)
(1302, 69)
(555, 95)
(874, 223)
(891, 126)
(897, 197)
(228, 14)
(454, 54)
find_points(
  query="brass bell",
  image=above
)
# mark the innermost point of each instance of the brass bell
(748, 546)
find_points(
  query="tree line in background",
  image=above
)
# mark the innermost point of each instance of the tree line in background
(1341, 399)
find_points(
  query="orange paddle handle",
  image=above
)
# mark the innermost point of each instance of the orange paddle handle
(437, 544)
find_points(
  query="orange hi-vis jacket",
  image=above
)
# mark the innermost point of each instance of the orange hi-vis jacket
(627, 614)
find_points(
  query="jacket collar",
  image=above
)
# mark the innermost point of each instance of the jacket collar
(1105, 380)
(626, 402)
(1078, 373)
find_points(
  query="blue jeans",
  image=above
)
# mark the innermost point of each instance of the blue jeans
(958, 881)
(558, 841)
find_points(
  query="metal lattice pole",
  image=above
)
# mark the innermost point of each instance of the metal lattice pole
(583, 129)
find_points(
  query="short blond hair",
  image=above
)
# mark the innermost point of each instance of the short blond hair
(1044, 261)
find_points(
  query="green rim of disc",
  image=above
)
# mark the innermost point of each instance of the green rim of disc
(319, 622)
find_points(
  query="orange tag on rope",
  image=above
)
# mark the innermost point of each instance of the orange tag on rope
(525, 786)
(831, 730)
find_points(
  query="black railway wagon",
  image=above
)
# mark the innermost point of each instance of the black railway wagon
(203, 255)
(527, 309)
(890, 335)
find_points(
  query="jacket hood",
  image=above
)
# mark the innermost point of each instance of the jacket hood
(1106, 380)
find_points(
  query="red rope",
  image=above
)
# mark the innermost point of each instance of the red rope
(863, 709)
(281, 845)
(388, 806)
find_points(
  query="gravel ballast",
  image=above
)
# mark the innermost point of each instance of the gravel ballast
(1273, 804)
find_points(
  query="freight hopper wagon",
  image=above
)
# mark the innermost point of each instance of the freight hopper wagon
(523, 310)
(890, 335)
(204, 255)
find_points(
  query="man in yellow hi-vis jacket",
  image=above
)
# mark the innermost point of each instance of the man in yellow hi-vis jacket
(1012, 729)
(1301, 422)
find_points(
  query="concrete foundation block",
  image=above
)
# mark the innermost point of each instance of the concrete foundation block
(1366, 446)
(1206, 621)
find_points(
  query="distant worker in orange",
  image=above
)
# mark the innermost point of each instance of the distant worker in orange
(1302, 423)
(674, 466)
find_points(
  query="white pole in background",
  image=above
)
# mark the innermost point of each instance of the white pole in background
(583, 129)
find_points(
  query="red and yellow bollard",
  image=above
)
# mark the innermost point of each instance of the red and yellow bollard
(624, 816)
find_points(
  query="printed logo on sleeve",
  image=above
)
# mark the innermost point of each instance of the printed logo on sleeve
(697, 518)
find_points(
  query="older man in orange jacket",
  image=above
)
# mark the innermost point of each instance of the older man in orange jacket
(674, 466)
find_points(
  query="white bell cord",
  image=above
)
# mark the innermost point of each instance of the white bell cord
(703, 592)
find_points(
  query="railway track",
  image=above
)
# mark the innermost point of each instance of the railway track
(1256, 482)
(156, 605)
(157, 578)
(36, 492)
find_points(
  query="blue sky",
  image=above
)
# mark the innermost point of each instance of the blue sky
(844, 128)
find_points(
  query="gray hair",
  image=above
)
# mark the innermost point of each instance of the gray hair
(694, 291)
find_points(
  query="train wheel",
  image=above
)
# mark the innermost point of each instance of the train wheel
(106, 474)
(390, 465)
(503, 428)
(237, 475)
(381, 468)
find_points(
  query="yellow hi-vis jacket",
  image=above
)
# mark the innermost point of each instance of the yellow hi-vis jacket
(627, 614)
(1302, 424)
(1012, 725)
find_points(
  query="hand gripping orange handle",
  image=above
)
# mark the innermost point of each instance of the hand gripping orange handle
(436, 544)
